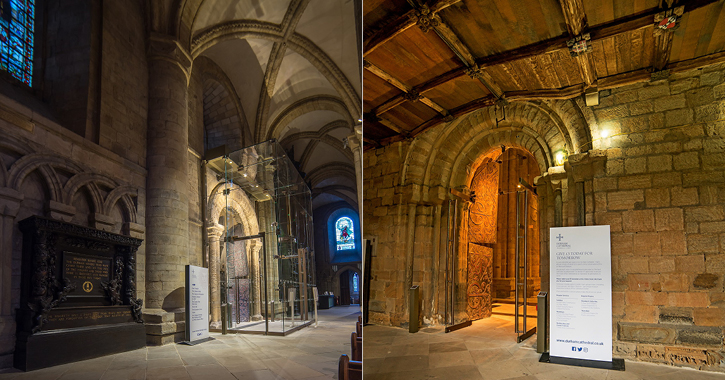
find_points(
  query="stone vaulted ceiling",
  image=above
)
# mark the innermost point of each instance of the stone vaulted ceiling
(295, 68)
(428, 62)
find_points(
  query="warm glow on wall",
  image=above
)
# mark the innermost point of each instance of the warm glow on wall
(560, 156)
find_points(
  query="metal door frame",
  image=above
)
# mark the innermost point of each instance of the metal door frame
(263, 278)
(522, 332)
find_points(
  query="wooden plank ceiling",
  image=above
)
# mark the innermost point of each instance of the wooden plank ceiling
(429, 61)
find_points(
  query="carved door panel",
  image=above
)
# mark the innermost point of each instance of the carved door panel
(483, 212)
(480, 276)
(238, 284)
(481, 236)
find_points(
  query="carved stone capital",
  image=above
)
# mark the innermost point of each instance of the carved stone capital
(60, 211)
(134, 230)
(102, 222)
(163, 47)
(214, 232)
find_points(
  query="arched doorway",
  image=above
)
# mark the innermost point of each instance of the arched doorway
(349, 285)
(501, 236)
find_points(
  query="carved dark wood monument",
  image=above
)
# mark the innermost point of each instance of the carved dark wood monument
(78, 294)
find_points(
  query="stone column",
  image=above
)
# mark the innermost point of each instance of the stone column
(167, 209)
(354, 141)
(214, 233)
(9, 207)
(255, 247)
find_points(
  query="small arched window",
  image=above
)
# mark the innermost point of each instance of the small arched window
(17, 19)
(344, 234)
(355, 282)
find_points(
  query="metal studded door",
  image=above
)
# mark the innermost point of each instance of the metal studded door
(481, 237)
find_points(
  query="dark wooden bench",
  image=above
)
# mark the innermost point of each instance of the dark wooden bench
(349, 369)
(357, 347)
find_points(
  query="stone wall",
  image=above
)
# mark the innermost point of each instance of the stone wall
(46, 169)
(124, 86)
(662, 191)
(74, 146)
(657, 179)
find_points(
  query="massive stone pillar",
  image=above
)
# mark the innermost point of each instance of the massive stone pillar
(354, 141)
(9, 206)
(167, 209)
(214, 233)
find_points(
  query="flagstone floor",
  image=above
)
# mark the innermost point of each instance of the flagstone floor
(310, 354)
(486, 350)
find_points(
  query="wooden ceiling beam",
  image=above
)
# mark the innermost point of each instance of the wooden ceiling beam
(576, 19)
(576, 22)
(409, 93)
(454, 43)
(392, 126)
(434, 105)
(382, 74)
(399, 25)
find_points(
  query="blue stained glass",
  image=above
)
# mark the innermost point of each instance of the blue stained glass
(355, 281)
(344, 234)
(16, 38)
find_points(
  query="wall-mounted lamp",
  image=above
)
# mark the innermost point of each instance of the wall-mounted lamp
(560, 157)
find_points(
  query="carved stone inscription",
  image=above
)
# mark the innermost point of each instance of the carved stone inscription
(86, 272)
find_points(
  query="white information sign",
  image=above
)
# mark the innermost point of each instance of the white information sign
(197, 303)
(581, 293)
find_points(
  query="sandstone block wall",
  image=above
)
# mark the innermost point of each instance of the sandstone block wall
(662, 191)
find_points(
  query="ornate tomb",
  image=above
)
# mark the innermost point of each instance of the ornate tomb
(78, 294)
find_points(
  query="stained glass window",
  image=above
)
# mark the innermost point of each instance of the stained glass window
(16, 38)
(344, 234)
(355, 280)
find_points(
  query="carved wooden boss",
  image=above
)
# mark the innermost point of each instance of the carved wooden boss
(78, 294)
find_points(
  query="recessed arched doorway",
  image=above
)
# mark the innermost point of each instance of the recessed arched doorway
(349, 282)
(500, 235)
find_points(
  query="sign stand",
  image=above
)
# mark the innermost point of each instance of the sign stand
(580, 262)
(197, 305)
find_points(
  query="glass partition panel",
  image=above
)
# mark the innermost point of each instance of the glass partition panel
(268, 260)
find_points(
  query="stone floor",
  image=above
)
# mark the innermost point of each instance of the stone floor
(310, 354)
(486, 350)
